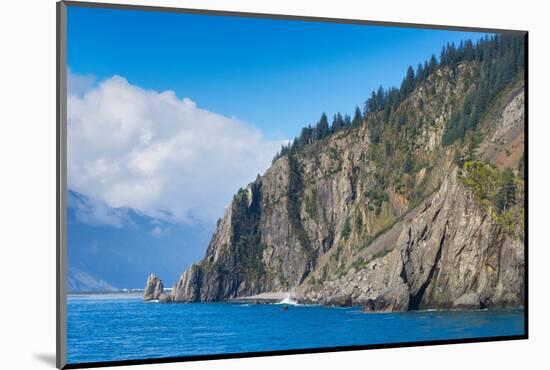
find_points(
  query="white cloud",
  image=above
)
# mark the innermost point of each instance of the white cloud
(158, 154)
(79, 84)
(158, 231)
(96, 212)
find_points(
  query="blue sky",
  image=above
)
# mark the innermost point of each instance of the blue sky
(277, 75)
(170, 114)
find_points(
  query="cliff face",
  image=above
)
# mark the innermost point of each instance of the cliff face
(383, 221)
(452, 254)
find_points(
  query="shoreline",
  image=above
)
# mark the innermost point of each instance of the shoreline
(267, 297)
(289, 298)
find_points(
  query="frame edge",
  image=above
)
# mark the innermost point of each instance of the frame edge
(295, 17)
(61, 184)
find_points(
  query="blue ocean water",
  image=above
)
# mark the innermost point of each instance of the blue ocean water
(117, 327)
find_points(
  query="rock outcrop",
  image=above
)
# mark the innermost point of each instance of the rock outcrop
(354, 219)
(454, 255)
(153, 288)
(307, 205)
(165, 298)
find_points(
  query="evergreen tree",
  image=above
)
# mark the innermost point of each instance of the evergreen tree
(500, 58)
(401, 119)
(323, 127)
(387, 112)
(347, 120)
(394, 98)
(419, 73)
(469, 50)
(408, 165)
(373, 107)
(467, 108)
(380, 98)
(454, 129)
(482, 96)
(357, 117)
(304, 137)
(407, 86)
(506, 194)
(452, 54)
(433, 65)
(444, 57)
(337, 122)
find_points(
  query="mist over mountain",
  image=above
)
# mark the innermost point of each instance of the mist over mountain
(78, 281)
(114, 247)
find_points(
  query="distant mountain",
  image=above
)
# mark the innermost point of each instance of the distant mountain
(120, 245)
(79, 281)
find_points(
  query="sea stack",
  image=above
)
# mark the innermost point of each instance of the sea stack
(153, 288)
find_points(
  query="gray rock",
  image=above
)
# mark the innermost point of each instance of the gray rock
(188, 287)
(468, 300)
(153, 288)
(454, 252)
(393, 299)
(368, 306)
(342, 300)
(165, 298)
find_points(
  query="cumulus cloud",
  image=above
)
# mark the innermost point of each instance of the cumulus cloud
(78, 84)
(158, 154)
(96, 212)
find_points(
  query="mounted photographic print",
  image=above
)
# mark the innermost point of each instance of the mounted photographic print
(237, 184)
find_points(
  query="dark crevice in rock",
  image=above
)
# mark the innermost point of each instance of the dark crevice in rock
(294, 204)
(403, 275)
(416, 299)
(436, 214)
(500, 245)
(459, 251)
(353, 176)
(423, 233)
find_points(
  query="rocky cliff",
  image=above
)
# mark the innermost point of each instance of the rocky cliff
(377, 214)
(451, 254)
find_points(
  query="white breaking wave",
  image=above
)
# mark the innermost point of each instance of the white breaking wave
(288, 301)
